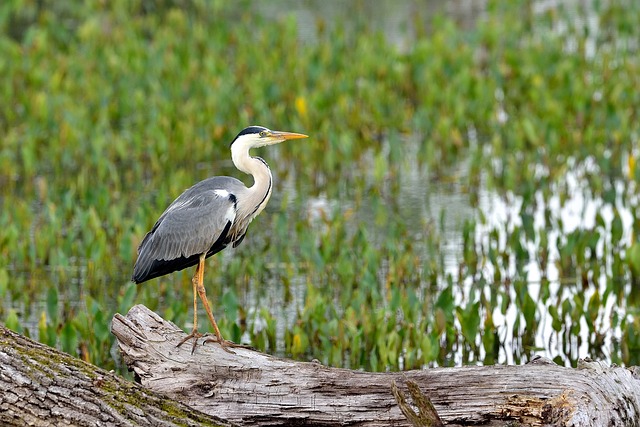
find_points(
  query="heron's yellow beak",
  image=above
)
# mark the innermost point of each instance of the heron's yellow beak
(287, 135)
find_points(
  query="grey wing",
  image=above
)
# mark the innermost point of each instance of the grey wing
(190, 225)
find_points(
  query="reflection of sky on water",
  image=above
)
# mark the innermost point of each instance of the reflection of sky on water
(577, 211)
(396, 20)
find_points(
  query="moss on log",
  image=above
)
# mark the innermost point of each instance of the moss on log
(41, 386)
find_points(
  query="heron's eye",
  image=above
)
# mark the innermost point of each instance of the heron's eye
(263, 134)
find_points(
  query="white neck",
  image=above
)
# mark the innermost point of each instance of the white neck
(260, 192)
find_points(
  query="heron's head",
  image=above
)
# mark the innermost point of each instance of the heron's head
(258, 136)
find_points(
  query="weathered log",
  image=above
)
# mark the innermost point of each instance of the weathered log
(251, 388)
(40, 386)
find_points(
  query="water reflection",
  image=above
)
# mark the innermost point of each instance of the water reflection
(573, 209)
(400, 22)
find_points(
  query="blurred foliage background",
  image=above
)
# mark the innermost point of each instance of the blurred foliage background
(469, 193)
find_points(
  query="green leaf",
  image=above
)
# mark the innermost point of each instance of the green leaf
(12, 322)
(230, 303)
(593, 308)
(633, 259)
(556, 320)
(69, 339)
(527, 226)
(530, 131)
(4, 282)
(529, 311)
(100, 325)
(127, 298)
(469, 319)
(52, 304)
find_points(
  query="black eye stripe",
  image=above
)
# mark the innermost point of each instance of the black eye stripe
(251, 130)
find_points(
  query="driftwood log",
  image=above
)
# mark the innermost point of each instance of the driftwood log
(40, 386)
(251, 388)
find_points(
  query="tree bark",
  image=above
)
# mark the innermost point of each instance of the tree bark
(251, 388)
(40, 386)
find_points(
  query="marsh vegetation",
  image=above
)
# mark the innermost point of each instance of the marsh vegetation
(467, 196)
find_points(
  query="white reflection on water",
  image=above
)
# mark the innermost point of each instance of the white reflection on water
(578, 211)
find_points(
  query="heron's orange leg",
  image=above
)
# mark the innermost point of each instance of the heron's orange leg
(194, 332)
(203, 296)
(198, 288)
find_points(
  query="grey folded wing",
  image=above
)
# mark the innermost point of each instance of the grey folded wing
(190, 226)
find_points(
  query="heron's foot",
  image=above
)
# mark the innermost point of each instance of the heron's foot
(225, 344)
(193, 335)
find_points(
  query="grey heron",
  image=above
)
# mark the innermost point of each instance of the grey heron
(208, 217)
